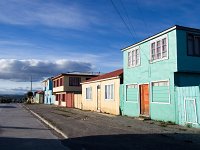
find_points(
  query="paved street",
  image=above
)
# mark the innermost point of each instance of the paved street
(91, 130)
(19, 130)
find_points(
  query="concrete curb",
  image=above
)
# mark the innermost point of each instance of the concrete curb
(47, 123)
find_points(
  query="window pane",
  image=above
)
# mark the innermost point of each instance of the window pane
(153, 50)
(158, 52)
(129, 59)
(197, 46)
(88, 93)
(74, 81)
(111, 91)
(161, 83)
(190, 44)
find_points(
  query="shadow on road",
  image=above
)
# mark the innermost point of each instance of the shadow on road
(7, 106)
(30, 144)
(107, 142)
(134, 142)
(26, 128)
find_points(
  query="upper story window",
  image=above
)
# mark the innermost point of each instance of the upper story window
(159, 49)
(74, 81)
(134, 58)
(193, 42)
(61, 81)
(54, 83)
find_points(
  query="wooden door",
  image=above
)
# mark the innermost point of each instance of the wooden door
(70, 100)
(144, 99)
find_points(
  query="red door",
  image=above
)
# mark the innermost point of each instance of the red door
(70, 100)
(144, 99)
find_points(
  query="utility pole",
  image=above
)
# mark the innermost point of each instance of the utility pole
(31, 83)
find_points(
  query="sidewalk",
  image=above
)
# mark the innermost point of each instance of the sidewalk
(92, 130)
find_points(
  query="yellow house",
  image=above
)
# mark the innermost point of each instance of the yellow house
(102, 93)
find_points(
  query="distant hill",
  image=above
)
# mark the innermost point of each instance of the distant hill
(11, 98)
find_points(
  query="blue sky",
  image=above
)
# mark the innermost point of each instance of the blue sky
(46, 37)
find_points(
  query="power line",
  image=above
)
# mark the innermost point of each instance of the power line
(118, 12)
(128, 18)
(140, 11)
(129, 29)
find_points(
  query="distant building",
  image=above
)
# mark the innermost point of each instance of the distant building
(39, 97)
(49, 98)
(67, 88)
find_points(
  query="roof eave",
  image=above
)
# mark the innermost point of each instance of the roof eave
(150, 38)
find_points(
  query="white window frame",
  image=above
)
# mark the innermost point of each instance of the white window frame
(133, 56)
(167, 48)
(135, 84)
(110, 91)
(90, 97)
(151, 86)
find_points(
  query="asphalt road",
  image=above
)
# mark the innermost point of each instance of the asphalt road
(19, 130)
(88, 130)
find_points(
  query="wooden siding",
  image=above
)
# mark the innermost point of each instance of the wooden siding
(78, 101)
(69, 98)
(188, 105)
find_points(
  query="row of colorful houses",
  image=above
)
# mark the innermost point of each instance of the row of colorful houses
(160, 79)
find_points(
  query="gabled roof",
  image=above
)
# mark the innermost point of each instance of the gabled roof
(178, 27)
(112, 74)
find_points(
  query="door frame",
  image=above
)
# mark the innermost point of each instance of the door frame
(139, 97)
(98, 98)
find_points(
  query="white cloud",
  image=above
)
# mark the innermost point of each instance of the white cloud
(21, 70)
(66, 15)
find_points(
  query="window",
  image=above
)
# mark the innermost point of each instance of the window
(134, 58)
(109, 91)
(61, 81)
(193, 48)
(63, 97)
(132, 92)
(74, 81)
(57, 83)
(160, 92)
(89, 93)
(159, 49)
(54, 83)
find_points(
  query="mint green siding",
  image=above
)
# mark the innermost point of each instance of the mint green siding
(167, 102)
(121, 105)
(148, 72)
(189, 105)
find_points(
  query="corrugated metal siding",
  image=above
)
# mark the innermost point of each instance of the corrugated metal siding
(189, 105)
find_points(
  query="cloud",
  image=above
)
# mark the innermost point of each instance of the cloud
(21, 70)
(53, 14)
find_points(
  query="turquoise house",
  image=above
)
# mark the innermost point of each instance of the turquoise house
(49, 98)
(162, 77)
